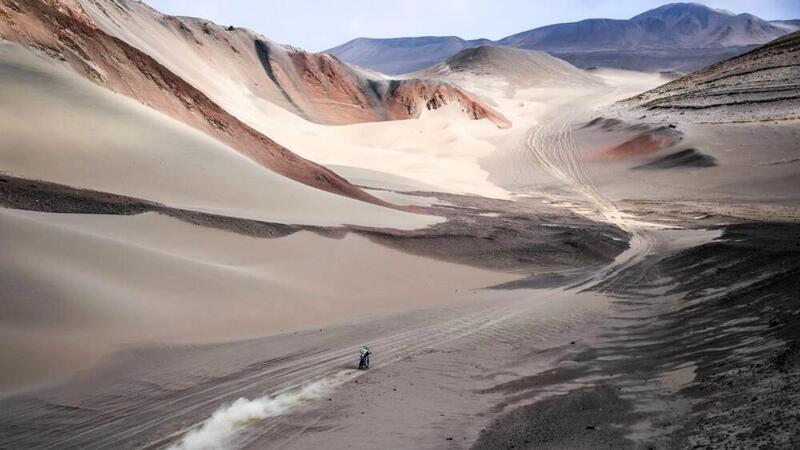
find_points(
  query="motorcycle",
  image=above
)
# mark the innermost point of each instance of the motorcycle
(363, 363)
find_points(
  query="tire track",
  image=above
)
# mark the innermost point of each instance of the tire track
(157, 422)
(554, 147)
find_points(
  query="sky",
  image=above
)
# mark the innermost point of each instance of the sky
(317, 25)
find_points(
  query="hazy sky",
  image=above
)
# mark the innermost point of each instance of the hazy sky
(317, 24)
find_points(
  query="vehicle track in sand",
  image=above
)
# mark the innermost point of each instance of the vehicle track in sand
(156, 416)
(639, 300)
(505, 325)
(552, 145)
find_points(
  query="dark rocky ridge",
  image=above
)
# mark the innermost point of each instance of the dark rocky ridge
(763, 84)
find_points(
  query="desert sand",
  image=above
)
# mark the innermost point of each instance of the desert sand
(591, 276)
(443, 149)
(110, 143)
(113, 280)
(228, 64)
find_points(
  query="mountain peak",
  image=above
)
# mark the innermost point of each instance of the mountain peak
(682, 9)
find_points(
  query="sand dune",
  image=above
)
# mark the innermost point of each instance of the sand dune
(213, 77)
(520, 68)
(60, 33)
(240, 70)
(440, 149)
(90, 283)
(159, 273)
(107, 142)
(193, 283)
(443, 150)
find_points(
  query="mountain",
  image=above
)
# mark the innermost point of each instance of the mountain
(219, 80)
(680, 37)
(676, 25)
(58, 126)
(241, 69)
(789, 23)
(402, 55)
(519, 67)
(763, 84)
(66, 32)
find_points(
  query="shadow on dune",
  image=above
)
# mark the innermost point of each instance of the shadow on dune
(689, 158)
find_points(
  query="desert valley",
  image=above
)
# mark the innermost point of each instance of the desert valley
(584, 235)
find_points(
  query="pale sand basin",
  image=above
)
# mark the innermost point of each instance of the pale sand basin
(111, 143)
(81, 285)
(441, 148)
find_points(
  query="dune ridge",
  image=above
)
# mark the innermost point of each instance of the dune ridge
(241, 69)
(117, 66)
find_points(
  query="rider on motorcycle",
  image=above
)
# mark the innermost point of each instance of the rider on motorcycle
(363, 363)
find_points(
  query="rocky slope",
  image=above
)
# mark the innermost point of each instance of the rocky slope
(763, 84)
(240, 70)
(64, 31)
(199, 73)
